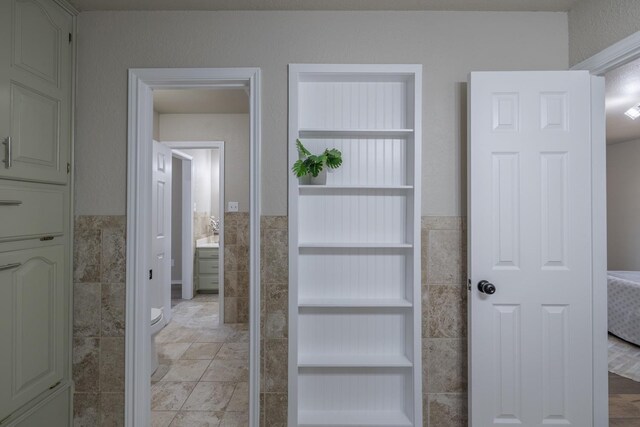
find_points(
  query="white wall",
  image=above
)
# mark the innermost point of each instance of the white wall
(233, 129)
(448, 44)
(201, 179)
(597, 24)
(623, 205)
(176, 219)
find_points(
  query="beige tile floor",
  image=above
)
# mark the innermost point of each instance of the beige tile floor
(202, 379)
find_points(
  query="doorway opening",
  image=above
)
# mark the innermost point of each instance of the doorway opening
(622, 97)
(618, 303)
(205, 335)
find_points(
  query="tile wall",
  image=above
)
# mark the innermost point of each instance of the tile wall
(98, 320)
(99, 316)
(201, 226)
(236, 267)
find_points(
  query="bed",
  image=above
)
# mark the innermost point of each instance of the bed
(624, 304)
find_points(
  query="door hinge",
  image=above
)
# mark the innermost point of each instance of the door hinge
(150, 274)
(68, 168)
(55, 385)
(70, 38)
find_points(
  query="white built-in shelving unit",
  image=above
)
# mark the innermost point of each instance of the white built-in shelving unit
(354, 248)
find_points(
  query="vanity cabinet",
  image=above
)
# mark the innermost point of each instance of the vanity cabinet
(36, 97)
(207, 269)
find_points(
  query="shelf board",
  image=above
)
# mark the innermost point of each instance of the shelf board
(354, 133)
(354, 187)
(353, 361)
(353, 418)
(353, 302)
(355, 245)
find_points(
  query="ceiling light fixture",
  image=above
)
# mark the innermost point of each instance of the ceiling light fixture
(633, 112)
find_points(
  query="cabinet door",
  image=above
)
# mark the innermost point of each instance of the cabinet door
(35, 90)
(31, 324)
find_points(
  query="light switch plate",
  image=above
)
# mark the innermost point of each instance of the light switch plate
(233, 207)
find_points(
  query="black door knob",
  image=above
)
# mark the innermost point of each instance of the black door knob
(486, 288)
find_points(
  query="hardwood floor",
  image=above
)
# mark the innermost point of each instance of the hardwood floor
(624, 402)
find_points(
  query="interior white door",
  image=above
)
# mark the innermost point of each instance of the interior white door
(35, 94)
(187, 229)
(161, 226)
(530, 235)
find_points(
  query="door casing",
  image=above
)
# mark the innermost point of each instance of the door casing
(614, 56)
(142, 81)
(198, 145)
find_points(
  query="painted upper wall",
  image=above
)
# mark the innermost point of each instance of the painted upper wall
(448, 44)
(623, 206)
(234, 130)
(202, 183)
(597, 24)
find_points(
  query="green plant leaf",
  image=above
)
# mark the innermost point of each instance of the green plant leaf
(299, 169)
(301, 148)
(313, 164)
(333, 158)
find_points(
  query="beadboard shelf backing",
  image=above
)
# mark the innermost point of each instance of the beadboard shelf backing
(354, 248)
(354, 133)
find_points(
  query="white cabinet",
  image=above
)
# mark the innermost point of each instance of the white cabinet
(36, 80)
(35, 90)
(354, 270)
(32, 320)
(51, 412)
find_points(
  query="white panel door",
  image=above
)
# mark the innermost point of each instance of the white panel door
(161, 226)
(31, 324)
(530, 235)
(35, 90)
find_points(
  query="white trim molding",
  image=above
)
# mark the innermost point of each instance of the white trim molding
(187, 293)
(616, 55)
(140, 131)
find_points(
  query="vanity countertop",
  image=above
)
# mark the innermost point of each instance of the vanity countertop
(208, 245)
(208, 242)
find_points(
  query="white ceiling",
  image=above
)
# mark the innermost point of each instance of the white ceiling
(201, 101)
(473, 5)
(622, 93)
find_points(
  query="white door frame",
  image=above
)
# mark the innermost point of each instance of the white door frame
(197, 145)
(186, 225)
(616, 55)
(140, 131)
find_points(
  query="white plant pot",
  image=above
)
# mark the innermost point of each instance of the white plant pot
(321, 179)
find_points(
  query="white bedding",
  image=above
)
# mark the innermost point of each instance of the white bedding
(624, 304)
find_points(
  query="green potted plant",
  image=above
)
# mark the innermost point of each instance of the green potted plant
(311, 167)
